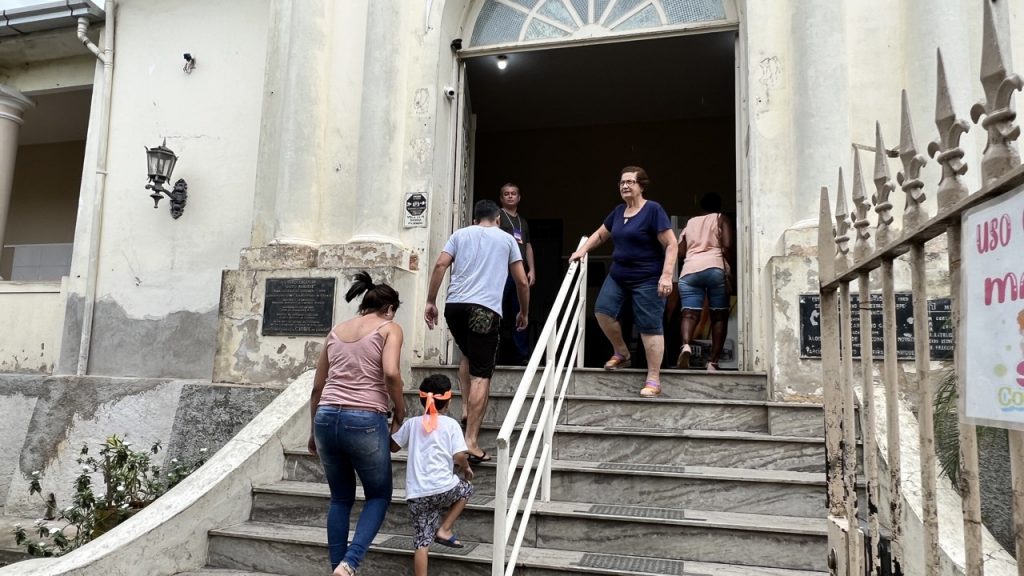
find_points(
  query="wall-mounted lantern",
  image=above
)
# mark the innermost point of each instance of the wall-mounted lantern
(161, 161)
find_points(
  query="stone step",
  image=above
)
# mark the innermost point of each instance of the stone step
(721, 489)
(302, 550)
(669, 447)
(778, 418)
(653, 531)
(224, 572)
(680, 384)
(666, 446)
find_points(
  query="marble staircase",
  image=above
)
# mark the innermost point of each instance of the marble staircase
(710, 479)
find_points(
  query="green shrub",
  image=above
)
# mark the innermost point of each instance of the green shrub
(130, 482)
(947, 428)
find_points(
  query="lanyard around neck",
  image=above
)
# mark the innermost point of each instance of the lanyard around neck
(518, 224)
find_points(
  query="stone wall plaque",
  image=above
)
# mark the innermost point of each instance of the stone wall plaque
(298, 306)
(939, 326)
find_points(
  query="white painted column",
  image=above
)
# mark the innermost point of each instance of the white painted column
(379, 172)
(340, 205)
(13, 105)
(292, 135)
(928, 26)
(820, 100)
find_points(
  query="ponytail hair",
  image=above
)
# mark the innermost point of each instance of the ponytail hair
(376, 297)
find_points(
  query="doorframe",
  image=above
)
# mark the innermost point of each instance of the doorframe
(744, 248)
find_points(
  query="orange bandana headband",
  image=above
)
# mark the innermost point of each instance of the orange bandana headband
(430, 422)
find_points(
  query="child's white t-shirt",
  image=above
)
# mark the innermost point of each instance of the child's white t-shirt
(430, 469)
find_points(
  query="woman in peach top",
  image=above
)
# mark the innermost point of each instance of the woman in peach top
(705, 242)
(358, 374)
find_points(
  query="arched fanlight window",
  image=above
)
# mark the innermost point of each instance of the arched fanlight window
(514, 21)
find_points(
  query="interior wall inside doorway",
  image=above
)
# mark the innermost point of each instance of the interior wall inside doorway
(571, 173)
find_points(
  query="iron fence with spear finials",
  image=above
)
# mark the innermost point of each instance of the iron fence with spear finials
(880, 545)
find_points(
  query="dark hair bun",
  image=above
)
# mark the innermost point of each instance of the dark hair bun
(363, 283)
(378, 297)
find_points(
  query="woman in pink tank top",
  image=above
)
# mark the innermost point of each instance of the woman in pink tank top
(359, 371)
(705, 243)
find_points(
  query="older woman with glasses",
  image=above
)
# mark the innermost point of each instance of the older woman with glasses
(643, 266)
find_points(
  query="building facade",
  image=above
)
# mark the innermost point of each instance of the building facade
(304, 127)
(319, 138)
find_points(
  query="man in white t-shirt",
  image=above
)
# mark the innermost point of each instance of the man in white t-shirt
(481, 257)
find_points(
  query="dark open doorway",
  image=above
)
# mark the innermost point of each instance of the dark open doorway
(562, 122)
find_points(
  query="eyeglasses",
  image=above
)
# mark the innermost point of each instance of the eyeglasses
(627, 183)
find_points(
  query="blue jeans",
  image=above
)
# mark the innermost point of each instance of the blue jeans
(352, 442)
(711, 282)
(648, 307)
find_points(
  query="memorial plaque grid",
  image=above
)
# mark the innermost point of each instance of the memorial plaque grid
(940, 326)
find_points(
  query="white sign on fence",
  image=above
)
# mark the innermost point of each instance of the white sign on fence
(992, 296)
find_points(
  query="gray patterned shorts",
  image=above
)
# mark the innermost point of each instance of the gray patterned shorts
(426, 512)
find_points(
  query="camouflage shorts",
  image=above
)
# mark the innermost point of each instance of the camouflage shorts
(426, 512)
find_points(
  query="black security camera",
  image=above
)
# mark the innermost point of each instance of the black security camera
(188, 57)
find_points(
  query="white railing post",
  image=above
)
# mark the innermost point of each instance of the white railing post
(500, 508)
(582, 329)
(549, 422)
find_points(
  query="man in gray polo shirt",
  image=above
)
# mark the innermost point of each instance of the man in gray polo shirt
(481, 257)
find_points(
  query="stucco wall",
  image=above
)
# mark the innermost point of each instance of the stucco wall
(799, 379)
(152, 268)
(794, 133)
(32, 313)
(881, 49)
(50, 418)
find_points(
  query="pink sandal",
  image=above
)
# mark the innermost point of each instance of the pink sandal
(617, 361)
(650, 389)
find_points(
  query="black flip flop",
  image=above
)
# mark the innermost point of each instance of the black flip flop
(474, 459)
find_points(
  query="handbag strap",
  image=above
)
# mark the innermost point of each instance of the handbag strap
(721, 245)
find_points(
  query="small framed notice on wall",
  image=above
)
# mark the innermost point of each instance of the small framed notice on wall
(416, 210)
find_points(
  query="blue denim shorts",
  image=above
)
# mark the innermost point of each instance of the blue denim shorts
(648, 307)
(711, 283)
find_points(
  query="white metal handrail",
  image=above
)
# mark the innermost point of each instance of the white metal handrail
(561, 345)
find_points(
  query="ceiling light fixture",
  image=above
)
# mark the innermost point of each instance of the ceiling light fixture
(502, 62)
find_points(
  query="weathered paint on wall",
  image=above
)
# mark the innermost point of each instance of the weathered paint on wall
(18, 409)
(209, 415)
(32, 313)
(46, 74)
(221, 120)
(153, 268)
(71, 411)
(178, 345)
(797, 379)
(52, 417)
(244, 355)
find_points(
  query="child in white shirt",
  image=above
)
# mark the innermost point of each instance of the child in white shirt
(435, 494)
